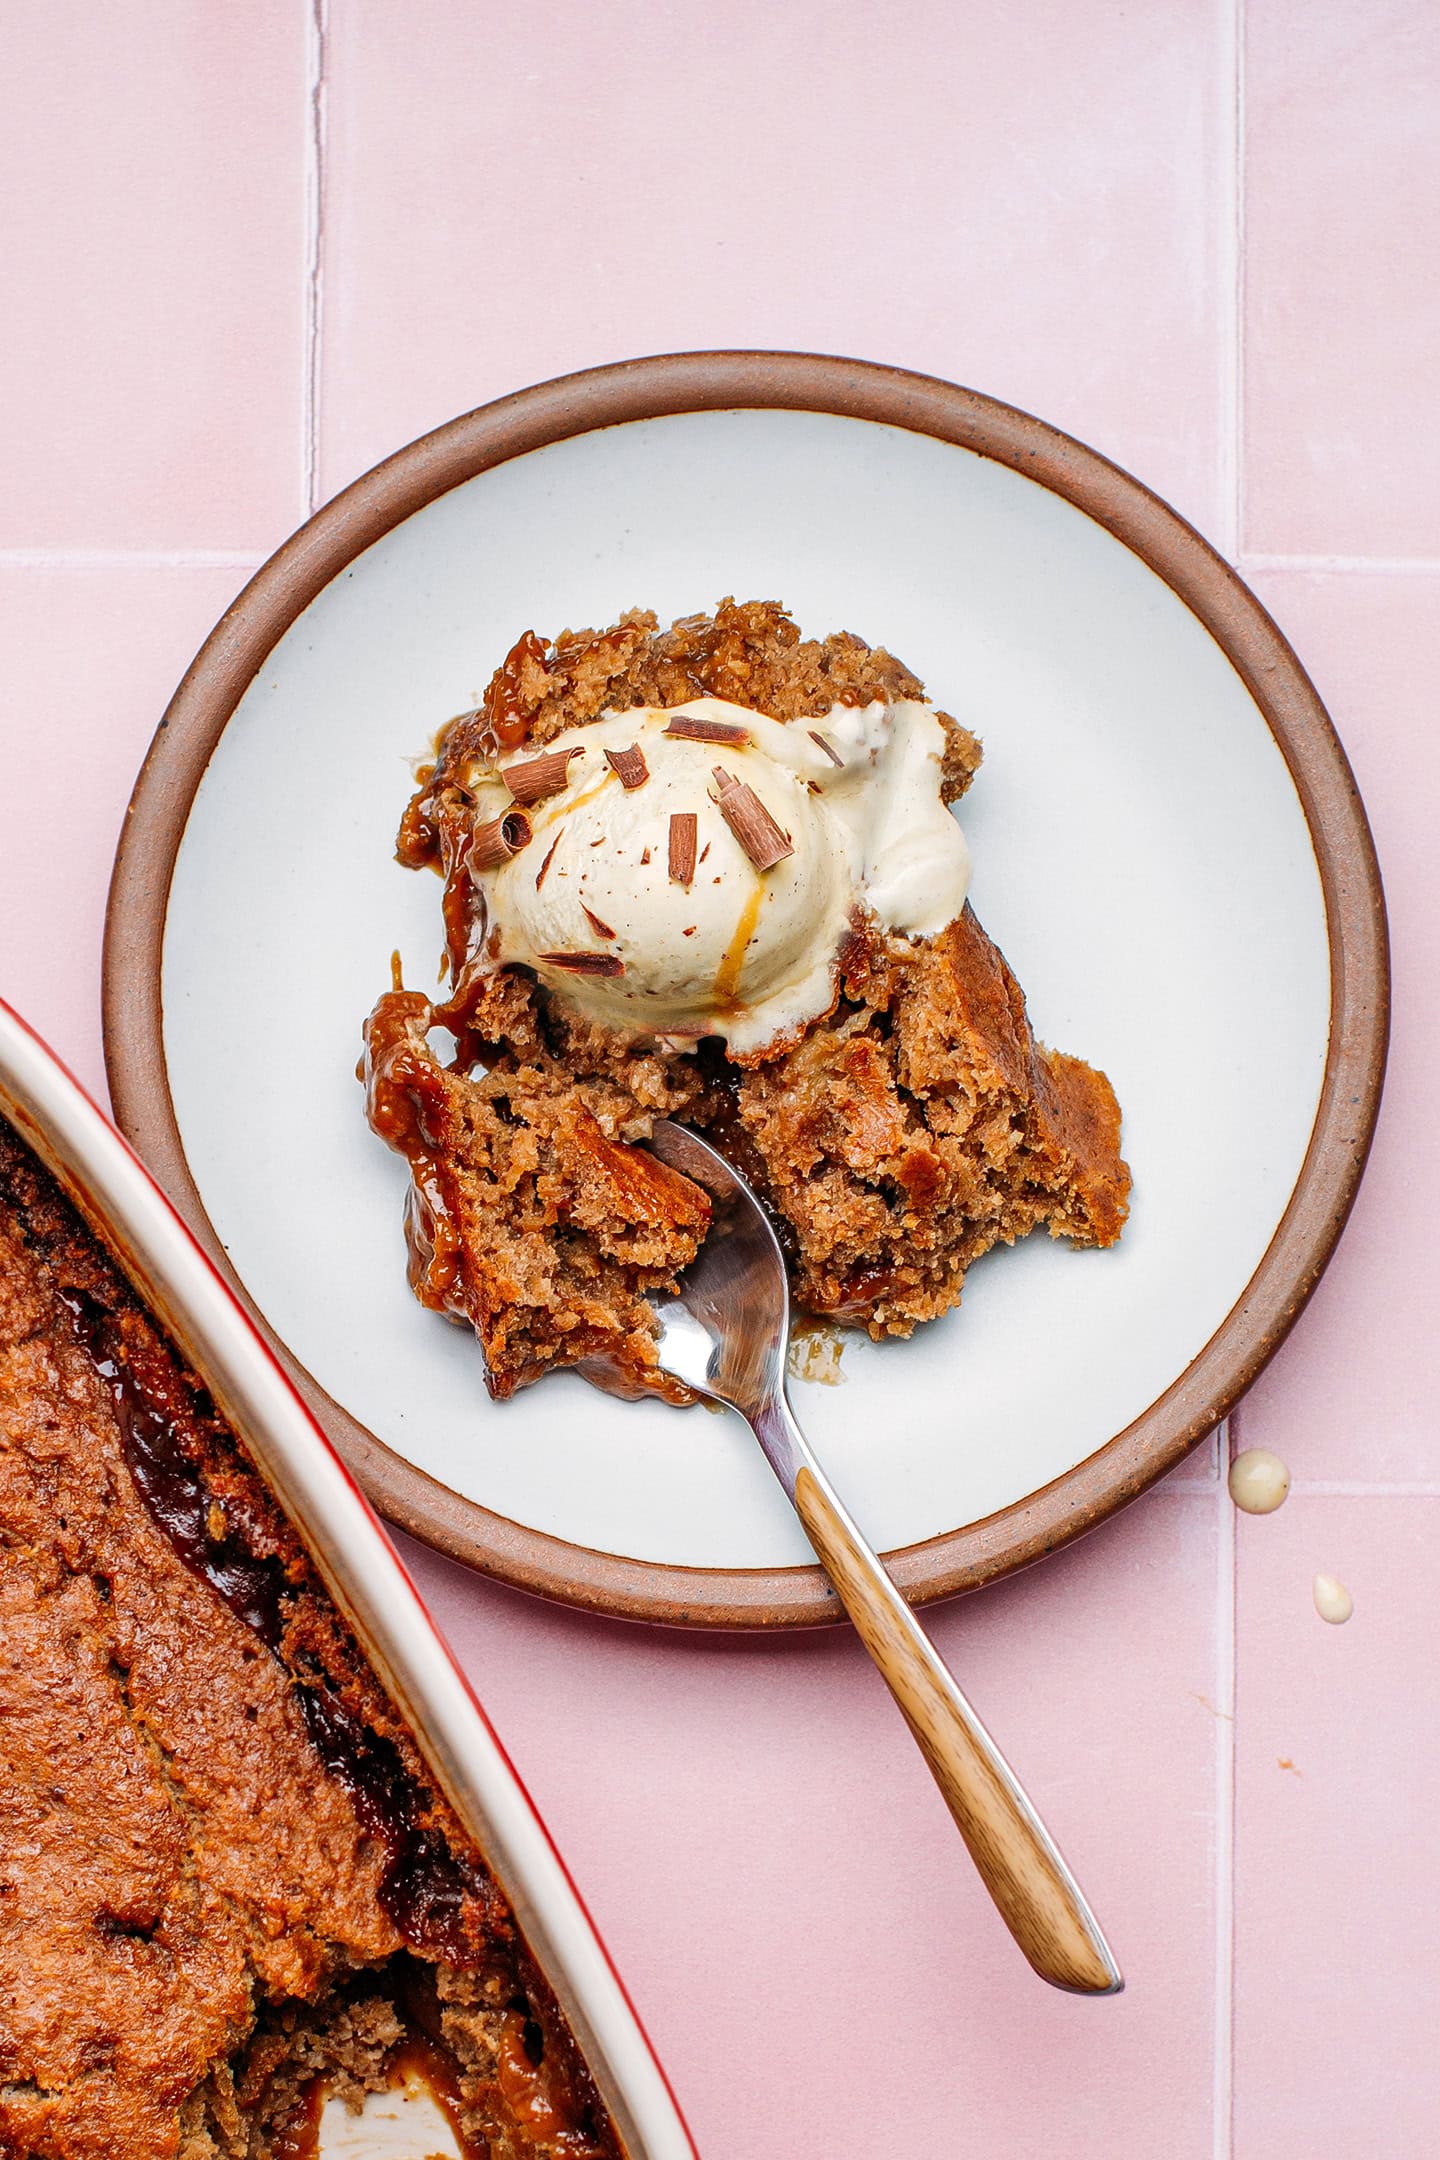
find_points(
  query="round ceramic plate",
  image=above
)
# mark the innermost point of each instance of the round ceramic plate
(1168, 847)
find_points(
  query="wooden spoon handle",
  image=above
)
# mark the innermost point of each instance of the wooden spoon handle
(1037, 1896)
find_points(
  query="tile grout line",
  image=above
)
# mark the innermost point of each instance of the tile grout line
(1361, 1489)
(1238, 287)
(121, 558)
(1347, 565)
(1324, 1488)
(1229, 280)
(220, 558)
(1197, 1481)
(64, 556)
(1223, 2090)
(1232, 488)
(317, 28)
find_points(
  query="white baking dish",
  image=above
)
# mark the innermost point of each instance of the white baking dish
(128, 1211)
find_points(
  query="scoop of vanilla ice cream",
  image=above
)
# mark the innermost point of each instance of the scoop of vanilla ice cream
(738, 952)
(733, 946)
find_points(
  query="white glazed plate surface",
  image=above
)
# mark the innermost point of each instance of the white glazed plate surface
(1141, 857)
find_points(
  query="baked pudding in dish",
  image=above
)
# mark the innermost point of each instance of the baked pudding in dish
(229, 1887)
(711, 873)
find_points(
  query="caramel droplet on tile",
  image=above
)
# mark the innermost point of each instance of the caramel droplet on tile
(1259, 1481)
(1333, 1601)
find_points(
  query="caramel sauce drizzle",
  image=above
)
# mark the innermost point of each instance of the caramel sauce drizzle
(727, 975)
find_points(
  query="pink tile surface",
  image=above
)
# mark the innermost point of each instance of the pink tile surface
(1342, 303)
(90, 660)
(1027, 206)
(1337, 1871)
(771, 1864)
(1040, 200)
(152, 255)
(1353, 1394)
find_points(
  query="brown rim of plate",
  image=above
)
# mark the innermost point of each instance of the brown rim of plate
(671, 383)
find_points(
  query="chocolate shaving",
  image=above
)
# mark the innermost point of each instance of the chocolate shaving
(693, 727)
(629, 765)
(549, 858)
(684, 832)
(584, 963)
(601, 929)
(750, 821)
(645, 857)
(827, 746)
(495, 842)
(536, 777)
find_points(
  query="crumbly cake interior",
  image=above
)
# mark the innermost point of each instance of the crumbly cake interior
(911, 1128)
(224, 1870)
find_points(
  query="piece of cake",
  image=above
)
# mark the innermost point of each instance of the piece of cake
(227, 1882)
(710, 873)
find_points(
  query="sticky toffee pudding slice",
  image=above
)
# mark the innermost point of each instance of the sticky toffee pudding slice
(724, 781)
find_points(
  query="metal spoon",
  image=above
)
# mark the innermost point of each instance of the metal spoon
(726, 1336)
